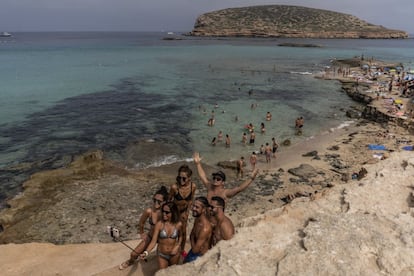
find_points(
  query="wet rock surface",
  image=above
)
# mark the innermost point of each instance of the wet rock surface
(74, 204)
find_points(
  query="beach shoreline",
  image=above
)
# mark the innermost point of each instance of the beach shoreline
(93, 192)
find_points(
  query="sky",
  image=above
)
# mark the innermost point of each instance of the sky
(173, 15)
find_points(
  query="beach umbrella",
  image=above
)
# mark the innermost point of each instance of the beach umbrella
(386, 69)
(398, 101)
(365, 66)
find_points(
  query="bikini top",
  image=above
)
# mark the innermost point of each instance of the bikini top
(163, 234)
(150, 221)
(179, 197)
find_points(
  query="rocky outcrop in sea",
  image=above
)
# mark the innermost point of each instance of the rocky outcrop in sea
(287, 21)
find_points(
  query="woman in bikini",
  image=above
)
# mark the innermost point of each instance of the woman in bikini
(182, 193)
(152, 215)
(168, 234)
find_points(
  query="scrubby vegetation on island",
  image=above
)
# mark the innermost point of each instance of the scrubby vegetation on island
(288, 21)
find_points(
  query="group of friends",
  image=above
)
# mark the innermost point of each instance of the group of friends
(168, 218)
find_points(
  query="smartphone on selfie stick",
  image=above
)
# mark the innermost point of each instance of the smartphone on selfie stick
(115, 234)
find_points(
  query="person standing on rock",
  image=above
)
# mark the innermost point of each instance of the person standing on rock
(152, 215)
(182, 193)
(216, 187)
(200, 237)
(168, 235)
(223, 228)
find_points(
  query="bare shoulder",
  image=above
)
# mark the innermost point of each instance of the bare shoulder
(174, 187)
(148, 211)
(179, 225)
(228, 221)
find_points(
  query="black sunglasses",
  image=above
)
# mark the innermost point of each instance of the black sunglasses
(217, 178)
(166, 212)
(183, 178)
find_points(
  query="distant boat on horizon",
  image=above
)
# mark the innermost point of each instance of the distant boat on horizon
(5, 34)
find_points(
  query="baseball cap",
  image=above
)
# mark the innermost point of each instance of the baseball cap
(220, 174)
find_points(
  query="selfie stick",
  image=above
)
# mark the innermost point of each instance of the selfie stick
(121, 241)
(114, 238)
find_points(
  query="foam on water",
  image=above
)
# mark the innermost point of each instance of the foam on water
(345, 124)
(161, 161)
(302, 73)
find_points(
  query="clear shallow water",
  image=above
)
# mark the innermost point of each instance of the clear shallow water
(142, 99)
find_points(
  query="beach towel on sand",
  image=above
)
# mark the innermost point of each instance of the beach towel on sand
(408, 148)
(376, 147)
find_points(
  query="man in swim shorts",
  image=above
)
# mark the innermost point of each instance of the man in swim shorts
(202, 231)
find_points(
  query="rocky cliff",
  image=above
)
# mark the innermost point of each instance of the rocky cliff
(288, 21)
(364, 227)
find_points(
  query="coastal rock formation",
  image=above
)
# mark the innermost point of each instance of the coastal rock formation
(341, 208)
(362, 228)
(288, 21)
(362, 92)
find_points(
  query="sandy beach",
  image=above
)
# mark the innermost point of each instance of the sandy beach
(57, 226)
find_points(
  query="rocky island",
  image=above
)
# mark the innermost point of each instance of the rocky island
(288, 21)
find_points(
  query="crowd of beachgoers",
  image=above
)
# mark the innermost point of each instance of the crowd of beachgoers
(392, 86)
(186, 219)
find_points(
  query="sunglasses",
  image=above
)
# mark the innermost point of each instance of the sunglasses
(157, 201)
(182, 178)
(166, 212)
(217, 178)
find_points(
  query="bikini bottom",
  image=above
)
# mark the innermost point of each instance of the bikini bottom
(165, 256)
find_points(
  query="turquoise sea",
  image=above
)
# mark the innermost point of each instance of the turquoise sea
(146, 101)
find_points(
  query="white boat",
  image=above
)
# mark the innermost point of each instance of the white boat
(5, 34)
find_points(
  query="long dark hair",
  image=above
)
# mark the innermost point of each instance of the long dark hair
(163, 191)
(175, 214)
(185, 168)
